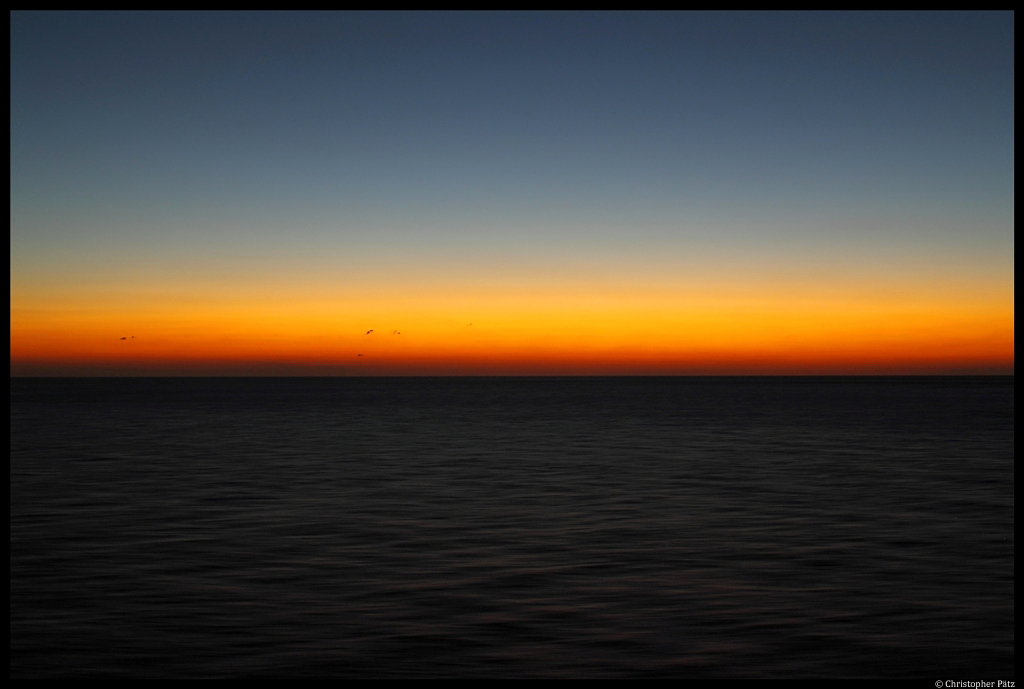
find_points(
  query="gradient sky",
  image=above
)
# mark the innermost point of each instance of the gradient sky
(512, 193)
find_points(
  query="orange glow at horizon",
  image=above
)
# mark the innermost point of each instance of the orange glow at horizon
(520, 333)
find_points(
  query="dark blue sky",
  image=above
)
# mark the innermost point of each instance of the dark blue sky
(905, 112)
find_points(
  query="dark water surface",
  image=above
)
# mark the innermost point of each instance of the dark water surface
(513, 526)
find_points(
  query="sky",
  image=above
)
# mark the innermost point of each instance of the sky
(511, 194)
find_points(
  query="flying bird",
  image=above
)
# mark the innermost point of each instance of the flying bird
(124, 338)
(368, 332)
(395, 332)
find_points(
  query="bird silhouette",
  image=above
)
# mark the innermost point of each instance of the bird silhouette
(368, 332)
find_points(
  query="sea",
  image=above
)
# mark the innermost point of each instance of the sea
(689, 527)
